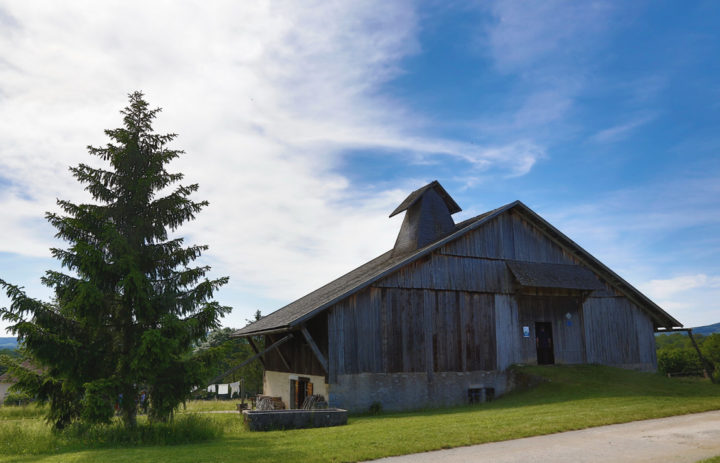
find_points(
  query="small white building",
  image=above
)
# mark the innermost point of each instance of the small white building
(5, 383)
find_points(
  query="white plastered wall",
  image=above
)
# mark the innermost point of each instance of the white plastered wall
(3, 390)
(277, 384)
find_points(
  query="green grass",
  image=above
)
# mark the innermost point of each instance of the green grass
(573, 398)
(33, 436)
(193, 406)
(22, 412)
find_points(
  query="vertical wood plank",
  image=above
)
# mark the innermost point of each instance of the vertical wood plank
(428, 311)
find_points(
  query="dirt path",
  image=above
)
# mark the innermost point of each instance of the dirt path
(686, 438)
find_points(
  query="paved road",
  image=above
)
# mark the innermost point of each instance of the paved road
(686, 438)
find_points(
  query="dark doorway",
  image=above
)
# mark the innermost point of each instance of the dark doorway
(544, 343)
(299, 390)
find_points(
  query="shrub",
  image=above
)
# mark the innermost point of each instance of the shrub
(375, 408)
(679, 362)
(17, 398)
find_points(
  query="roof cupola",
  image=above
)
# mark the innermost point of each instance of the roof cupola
(427, 218)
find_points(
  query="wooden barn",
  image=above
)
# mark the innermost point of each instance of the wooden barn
(438, 319)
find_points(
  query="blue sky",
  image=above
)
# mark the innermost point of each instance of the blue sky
(307, 123)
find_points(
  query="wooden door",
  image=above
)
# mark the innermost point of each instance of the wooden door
(544, 343)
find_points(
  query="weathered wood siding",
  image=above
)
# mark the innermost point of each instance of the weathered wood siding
(297, 353)
(508, 331)
(391, 330)
(452, 273)
(617, 332)
(567, 334)
(508, 236)
(460, 309)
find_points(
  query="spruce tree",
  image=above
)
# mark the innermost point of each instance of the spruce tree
(129, 305)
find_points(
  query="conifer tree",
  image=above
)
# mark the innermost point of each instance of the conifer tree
(130, 305)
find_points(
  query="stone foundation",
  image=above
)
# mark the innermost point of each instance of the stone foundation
(294, 419)
(409, 391)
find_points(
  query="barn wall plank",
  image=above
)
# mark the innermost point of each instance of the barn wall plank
(508, 331)
(567, 334)
(617, 332)
(509, 236)
(452, 273)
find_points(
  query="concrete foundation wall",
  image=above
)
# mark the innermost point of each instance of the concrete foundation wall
(407, 391)
(277, 384)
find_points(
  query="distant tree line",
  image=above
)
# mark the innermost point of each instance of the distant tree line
(10, 354)
(232, 351)
(677, 356)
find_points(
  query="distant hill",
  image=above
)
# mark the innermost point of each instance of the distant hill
(707, 329)
(8, 343)
(703, 330)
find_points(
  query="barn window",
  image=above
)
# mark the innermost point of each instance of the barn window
(478, 395)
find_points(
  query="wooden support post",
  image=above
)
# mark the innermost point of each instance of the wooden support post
(275, 345)
(314, 347)
(282, 357)
(255, 349)
(708, 367)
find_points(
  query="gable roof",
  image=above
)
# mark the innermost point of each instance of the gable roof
(296, 313)
(417, 194)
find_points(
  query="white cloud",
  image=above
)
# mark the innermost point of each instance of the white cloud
(620, 131)
(265, 96)
(665, 289)
(545, 50)
(542, 34)
(693, 299)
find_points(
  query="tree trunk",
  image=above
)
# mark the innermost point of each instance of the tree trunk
(129, 408)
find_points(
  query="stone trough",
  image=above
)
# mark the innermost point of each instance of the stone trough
(268, 420)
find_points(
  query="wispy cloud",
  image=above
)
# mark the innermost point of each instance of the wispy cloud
(620, 131)
(692, 298)
(545, 34)
(665, 289)
(544, 48)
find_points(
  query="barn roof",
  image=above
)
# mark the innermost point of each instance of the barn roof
(296, 313)
(541, 275)
(417, 194)
(7, 377)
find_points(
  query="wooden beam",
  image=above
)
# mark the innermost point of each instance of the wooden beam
(255, 349)
(282, 357)
(708, 366)
(274, 345)
(315, 349)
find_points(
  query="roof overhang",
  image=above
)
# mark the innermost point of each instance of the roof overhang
(241, 333)
(541, 275)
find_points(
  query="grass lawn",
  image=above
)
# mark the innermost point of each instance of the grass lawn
(574, 397)
(209, 406)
